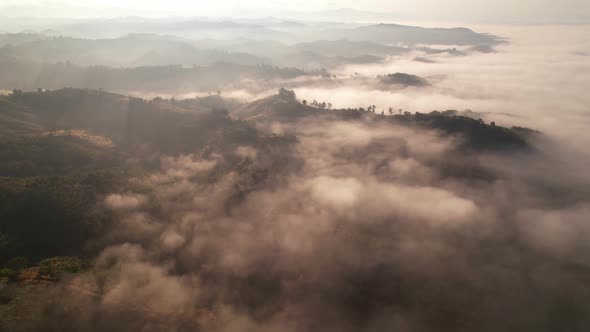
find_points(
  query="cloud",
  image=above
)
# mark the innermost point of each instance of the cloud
(536, 79)
(125, 201)
(372, 231)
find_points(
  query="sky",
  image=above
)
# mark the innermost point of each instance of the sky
(487, 11)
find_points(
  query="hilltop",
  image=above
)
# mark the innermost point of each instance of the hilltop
(474, 133)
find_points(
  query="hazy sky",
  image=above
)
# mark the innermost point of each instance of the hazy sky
(540, 11)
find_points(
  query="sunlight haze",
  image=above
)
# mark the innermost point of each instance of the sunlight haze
(500, 11)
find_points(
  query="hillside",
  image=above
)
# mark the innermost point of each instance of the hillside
(474, 133)
(64, 150)
(77, 141)
(281, 107)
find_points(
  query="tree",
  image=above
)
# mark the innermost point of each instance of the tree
(390, 110)
(329, 106)
(288, 94)
(323, 105)
(304, 102)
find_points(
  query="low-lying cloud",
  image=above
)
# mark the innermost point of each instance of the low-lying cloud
(375, 230)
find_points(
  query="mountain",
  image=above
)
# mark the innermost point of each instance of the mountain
(395, 33)
(403, 79)
(281, 107)
(132, 42)
(129, 50)
(193, 28)
(62, 151)
(475, 134)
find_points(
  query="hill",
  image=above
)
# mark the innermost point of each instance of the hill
(474, 133)
(280, 107)
(403, 80)
(62, 151)
(65, 149)
(130, 50)
(395, 33)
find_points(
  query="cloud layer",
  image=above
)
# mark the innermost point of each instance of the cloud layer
(378, 227)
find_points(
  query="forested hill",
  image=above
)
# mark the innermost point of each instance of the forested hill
(474, 132)
(180, 125)
(64, 150)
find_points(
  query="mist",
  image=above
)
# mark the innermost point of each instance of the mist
(368, 227)
(537, 80)
(326, 171)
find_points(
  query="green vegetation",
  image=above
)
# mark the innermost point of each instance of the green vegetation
(52, 215)
(51, 155)
(57, 266)
(52, 181)
(475, 133)
(54, 173)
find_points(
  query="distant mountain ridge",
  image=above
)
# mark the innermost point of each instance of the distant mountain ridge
(419, 35)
